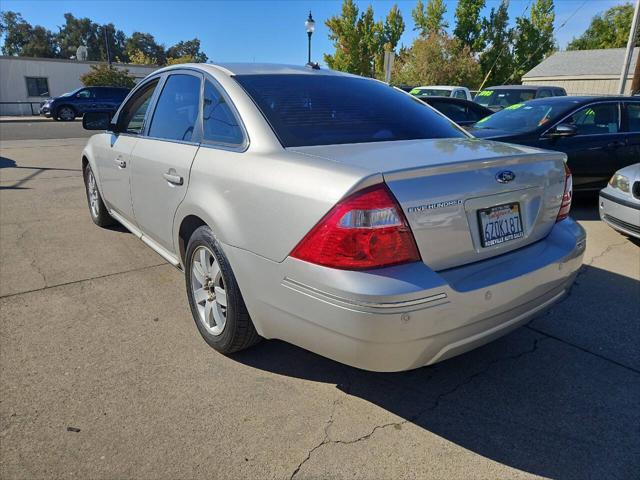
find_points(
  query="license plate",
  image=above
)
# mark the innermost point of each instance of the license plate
(500, 224)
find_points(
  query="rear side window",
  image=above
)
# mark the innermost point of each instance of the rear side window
(633, 117)
(176, 112)
(544, 94)
(454, 111)
(324, 110)
(219, 123)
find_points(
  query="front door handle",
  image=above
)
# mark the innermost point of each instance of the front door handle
(120, 162)
(173, 178)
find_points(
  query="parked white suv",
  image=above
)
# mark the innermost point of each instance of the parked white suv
(442, 91)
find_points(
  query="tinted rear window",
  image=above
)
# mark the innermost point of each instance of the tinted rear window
(325, 110)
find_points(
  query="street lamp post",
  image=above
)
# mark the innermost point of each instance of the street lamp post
(310, 26)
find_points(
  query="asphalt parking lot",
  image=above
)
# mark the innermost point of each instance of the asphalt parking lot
(104, 375)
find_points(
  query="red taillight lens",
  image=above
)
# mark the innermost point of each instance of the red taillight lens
(565, 206)
(364, 230)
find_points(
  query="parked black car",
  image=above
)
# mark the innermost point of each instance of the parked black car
(599, 134)
(463, 112)
(87, 99)
(497, 98)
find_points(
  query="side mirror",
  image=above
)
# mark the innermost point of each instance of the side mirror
(563, 130)
(97, 121)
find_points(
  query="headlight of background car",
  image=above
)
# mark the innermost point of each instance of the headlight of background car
(620, 182)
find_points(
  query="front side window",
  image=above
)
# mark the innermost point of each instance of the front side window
(330, 109)
(633, 117)
(219, 122)
(85, 94)
(596, 119)
(133, 113)
(37, 86)
(176, 112)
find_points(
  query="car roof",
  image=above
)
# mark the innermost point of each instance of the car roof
(519, 87)
(583, 99)
(440, 86)
(231, 69)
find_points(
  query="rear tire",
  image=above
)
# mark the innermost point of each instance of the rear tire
(97, 208)
(215, 300)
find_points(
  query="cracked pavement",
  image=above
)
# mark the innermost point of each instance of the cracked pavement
(103, 374)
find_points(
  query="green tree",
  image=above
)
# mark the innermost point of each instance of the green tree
(104, 75)
(187, 49)
(496, 60)
(117, 40)
(80, 31)
(437, 60)
(344, 35)
(533, 38)
(20, 38)
(468, 24)
(145, 43)
(607, 30)
(429, 19)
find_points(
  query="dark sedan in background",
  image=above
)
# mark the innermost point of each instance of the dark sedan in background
(82, 100)
(497, 98)
(463, 112)
(599, 134)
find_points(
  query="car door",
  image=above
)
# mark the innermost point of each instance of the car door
(84, 100)
(593, 153)
(162, 157)
(631, 127)
(114, 163)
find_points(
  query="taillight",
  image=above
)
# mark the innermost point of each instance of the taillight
(565, 206)
(365, 230)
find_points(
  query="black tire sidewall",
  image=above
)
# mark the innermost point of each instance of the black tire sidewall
(224, 342)
(103, 217)
(65, 119)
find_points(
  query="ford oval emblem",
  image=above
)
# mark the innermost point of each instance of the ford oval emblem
(505, 176)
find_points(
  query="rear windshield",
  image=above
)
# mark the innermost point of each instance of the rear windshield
(306, 110)
(503, 97)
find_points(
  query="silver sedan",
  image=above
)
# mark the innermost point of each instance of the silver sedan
(333, 212)
(620, 201)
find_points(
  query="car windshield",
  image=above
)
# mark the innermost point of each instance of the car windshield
(504, 97)
(522, 117)
(431, 92)
(308, 110)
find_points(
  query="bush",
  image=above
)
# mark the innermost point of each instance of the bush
(104, 75)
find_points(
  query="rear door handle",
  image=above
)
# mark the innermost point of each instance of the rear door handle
(172, 178)
(616, 144)
(120, 163)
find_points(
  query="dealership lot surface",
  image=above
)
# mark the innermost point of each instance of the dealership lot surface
(104, 375)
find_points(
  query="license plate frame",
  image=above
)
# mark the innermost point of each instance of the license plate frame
(507, 233)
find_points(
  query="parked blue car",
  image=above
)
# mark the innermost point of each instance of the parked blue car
(87, 99)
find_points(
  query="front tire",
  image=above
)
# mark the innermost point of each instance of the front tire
(97, 208)
(66, 114)
(215, 300)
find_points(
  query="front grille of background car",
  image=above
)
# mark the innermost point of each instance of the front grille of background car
(619, 223)
(636, 189)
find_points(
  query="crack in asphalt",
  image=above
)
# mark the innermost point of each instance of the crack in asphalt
(414, 418)
(97, 277)
(583, 271)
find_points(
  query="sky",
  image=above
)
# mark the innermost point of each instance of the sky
(263, 30)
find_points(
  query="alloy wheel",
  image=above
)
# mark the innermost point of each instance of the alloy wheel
(92, 193)
(208, 290)
(66, 114)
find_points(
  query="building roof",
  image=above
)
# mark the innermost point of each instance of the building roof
(577, 63)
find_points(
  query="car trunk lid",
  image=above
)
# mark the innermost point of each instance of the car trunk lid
(445, 187)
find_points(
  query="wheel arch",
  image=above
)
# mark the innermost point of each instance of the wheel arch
(58, 108)
(188, 225)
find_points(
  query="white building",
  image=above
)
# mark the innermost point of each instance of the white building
(583, 72)
(25, 82)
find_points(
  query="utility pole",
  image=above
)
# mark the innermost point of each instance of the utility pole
(106, 44)
(630, 44)
(635, 83)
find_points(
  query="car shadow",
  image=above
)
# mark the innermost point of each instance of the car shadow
(532, 400)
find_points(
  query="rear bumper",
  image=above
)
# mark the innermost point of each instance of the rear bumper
(404, 317)
(619, 214)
